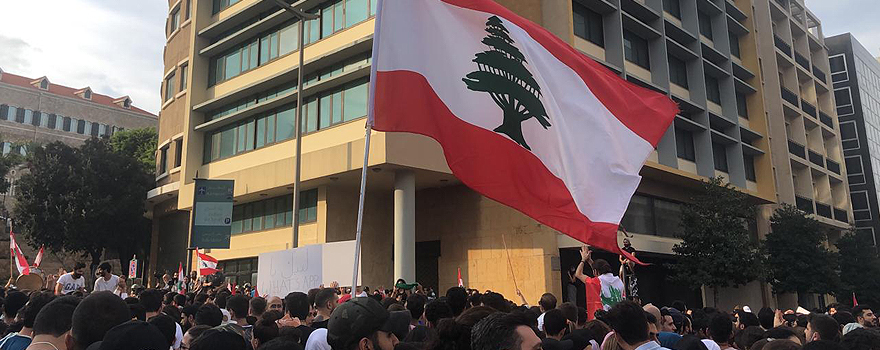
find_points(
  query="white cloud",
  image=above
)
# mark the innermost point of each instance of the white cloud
(858, 17)
(115, 47)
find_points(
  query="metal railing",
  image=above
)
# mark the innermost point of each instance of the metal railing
(789, 96)
(809, 108)
(801, 60)
(826, 119)
(797, 149)
(817, 159)
(782, 45)
(823, 210)
(804, 204)
(819, 73)
(833, 166)
(840, 215)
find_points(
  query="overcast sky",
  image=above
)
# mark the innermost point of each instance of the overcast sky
(115, 46)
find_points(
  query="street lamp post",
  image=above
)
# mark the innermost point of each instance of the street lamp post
(303, 17)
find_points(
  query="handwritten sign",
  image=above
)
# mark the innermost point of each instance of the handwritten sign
(304, 268)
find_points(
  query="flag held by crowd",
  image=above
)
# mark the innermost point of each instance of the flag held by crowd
(522, 117)
(207, 265)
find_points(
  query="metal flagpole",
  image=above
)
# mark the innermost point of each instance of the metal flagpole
(369, 131)
(303, 17)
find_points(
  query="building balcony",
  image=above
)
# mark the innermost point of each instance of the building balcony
(804, 204)
(801, 60)
(826, 119)
(819, 74)
(840, 215)
(809, 108)
(824, 210)
(817, 159)
(833, 166)
(789, 96)
(782, 45)
(782, 3)
(797, 149)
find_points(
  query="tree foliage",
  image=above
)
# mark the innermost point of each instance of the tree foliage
(716, 250)
(139, 144)
(859, 268)
(85, 200)
(796, 257)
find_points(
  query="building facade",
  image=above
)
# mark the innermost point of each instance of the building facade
(855, 74)
(230, 92)
(37, 111)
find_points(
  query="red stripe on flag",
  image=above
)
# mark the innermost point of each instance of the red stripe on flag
(646, 112)
(484, 161)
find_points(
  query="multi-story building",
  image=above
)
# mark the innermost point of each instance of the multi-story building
(39, 111)
(230, 90)
(855, 74)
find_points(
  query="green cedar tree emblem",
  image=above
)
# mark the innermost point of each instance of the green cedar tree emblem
(615, 296)
(502, 74)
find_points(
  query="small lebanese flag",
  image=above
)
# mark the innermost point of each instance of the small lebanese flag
(39, 259)
(15, 252)
(855, 302)
(207, 265)
(523, 118)
(181, 285)
(460, 282)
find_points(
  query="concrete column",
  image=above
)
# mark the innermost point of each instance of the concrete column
(405, 225)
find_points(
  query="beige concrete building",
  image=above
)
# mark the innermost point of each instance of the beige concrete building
(35, 110)
(230, 89)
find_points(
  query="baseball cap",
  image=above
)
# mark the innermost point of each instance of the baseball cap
(356, 319)
(133, 335)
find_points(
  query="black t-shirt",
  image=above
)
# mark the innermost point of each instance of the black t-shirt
(580, 338)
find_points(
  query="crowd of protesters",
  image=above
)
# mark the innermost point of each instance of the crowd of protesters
(217, 316)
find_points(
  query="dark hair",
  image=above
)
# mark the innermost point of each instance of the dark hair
(220, 299)
(826, 326)
(79, 265)
(496, 301)
(597, 328)
(416, 305)
(209, 315)
(297, 305)
(55, 318)
(861, 338)
(843, 318)
(172, 311)
(95, 315)
(547, 301)
(601, 266)
(238, 305)
(781, 344)
(822, 345)
(265, 330)
(766, 317)
(554, 322)
(200, 298)
(196, 331)
(137, 312)
(168, 298)
(859, 310)
(802, 320)
(151, 299)
(471, 316)
(105, 266)
(180, 300)
(258, 305)
(457, 299)
(324, 296)
(780, 333)
(690, 342)
(474, 299)
(437, 310)
(15, 300)
(629, 322)
(132, 300)
(451, 335)
(748, 319)
(37, 301)
(650, 318)
(214, 339)
(280, 344)
(498, 331)
(721, 328)
(582, 316)
(273, 315)
(748, 336)
(165, 324)
(570, 310)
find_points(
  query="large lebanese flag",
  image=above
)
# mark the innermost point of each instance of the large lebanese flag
(471, 74)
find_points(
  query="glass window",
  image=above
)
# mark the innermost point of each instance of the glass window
(163, 161)
(261, 132)
(684, 141)
(337, 18)
(4, 112)
(247, 224)
(327, 19)
(219, 5)
(237, 213)
(678, 72)
(19, 115)
(636, 49)
(837, 63)
(860, 200)
(588, 24)
(734, 45)
(26, 116)
(742, 106)
(227, 142)
(184, 72)
(848, 131)
(258, 215)
(289, 39)
(853, 165)
(308, 206)
(269, 215)
(673, 7)
(705, 24)
(719, 153)
(749, 163)
(286, 123)
(174, 22)
(842, 97)
(66, 124)
(242, 140)
(356, 11)
(355, 102)
(169, 86)
(713, 93)
(668, 218)
(313, 32)
(326, 110)
(232, 64)
(639, 216)
(178, 152)
(52, 121)
(81, 127)
(92, 129)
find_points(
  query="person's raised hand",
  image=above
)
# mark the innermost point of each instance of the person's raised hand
(585, 253)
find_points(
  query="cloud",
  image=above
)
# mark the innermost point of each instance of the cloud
(15, 53)
(858, 17)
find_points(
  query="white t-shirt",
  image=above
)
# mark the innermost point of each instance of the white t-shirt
(70, 285)
(106, 285)
(541, 322)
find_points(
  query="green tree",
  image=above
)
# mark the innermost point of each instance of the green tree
(716, 250)
(87, 201)
(503, 74)
(795, 254)
(139, 144)
(859, 268)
